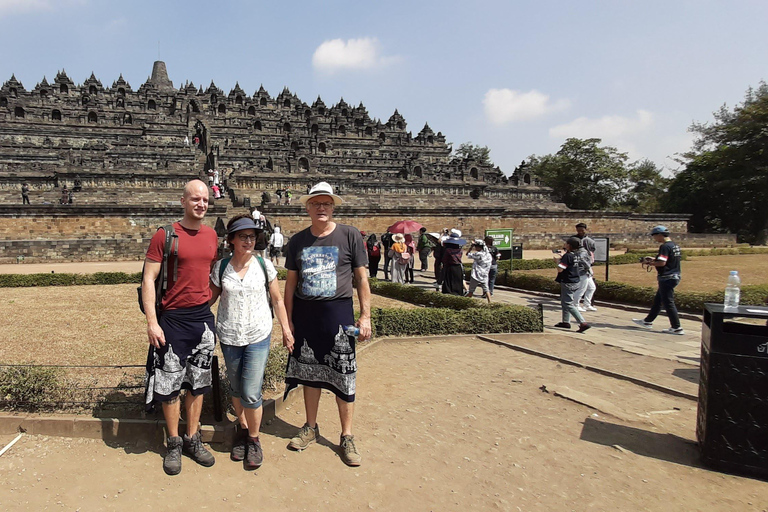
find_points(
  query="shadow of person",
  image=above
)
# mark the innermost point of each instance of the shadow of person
(280, 428)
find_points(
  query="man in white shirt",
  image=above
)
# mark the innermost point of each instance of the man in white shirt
(276, 242)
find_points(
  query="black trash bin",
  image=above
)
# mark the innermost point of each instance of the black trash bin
(732, 419)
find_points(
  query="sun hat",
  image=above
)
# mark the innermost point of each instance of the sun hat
(455, 239)
(243, 223)
(455, 231)
(659, 230)
(321, 189)
(479, 242)
(398, 237)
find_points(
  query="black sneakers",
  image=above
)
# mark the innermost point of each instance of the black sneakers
(172, 459)
(194, 449)
(563, 325)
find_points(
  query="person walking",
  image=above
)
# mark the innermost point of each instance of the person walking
(25, 193)
(182, 336)
(276, 241)
(373, 248)
(400, 257)
(494, 270)
(568, 277)
(247, 284)
(437, 254)
(667, 263)
(424, 247)
(587, 286)
(323, 260)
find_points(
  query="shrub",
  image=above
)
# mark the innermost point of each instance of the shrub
(416, 295)
(29, 387)
(436, 321)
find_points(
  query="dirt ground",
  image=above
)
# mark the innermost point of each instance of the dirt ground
(700, 273)
(429, 442)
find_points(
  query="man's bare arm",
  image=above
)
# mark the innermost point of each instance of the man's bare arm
(154, 332)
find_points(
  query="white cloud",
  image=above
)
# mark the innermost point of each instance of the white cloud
(35, 6)
(504, 106)
(337, 54)
(606, 127)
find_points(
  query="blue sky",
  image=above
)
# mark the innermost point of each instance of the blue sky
(519, 77)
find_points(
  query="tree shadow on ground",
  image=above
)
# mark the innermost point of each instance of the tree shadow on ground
(667, 447)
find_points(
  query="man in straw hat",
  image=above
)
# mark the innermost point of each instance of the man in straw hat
(322, 262)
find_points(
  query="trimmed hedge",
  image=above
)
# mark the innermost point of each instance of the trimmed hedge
(98, 278)
(27, 280)
(437, 321)
(416, 295)
(29, 387)
(638, 295)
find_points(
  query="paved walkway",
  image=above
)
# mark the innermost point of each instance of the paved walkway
(610, 325)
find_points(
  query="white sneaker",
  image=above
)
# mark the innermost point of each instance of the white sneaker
(581, 309)
(591, 308)
(642, 323)
(679, 331)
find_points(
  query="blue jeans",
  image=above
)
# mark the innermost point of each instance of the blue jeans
(665, 295)
(245, 370)
(492, 277)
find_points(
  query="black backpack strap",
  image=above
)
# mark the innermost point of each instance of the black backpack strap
(222, 268)
(170, 238)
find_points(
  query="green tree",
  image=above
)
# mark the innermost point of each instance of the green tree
(646, 188)
(584, 175)
(724, 184)
(480, 154)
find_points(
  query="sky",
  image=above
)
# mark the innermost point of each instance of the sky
(517, 76)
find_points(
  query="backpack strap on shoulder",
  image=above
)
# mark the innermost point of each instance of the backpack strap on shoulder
(266, 283)
(222, 268)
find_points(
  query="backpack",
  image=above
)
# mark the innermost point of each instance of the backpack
(161, 282)
(375, 251)
(403, 257)
(223, 267)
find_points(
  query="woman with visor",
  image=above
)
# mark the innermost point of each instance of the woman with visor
(247, 283)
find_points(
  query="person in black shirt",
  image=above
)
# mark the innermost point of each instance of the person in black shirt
(568, 277)
(667, 263)
(386, 245)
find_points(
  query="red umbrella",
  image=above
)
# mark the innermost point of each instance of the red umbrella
(405, 226)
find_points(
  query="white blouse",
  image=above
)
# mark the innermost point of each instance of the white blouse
(243, 317)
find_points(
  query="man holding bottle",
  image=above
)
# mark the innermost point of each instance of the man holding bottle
(667, 263)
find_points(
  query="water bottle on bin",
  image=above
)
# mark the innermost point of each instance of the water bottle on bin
(732, 292)
(352, 330)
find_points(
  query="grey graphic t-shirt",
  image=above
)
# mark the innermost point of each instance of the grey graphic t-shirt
(325, 264)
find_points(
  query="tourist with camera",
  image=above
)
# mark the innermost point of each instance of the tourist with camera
(481, 266)
(568, 269)
(667, 264)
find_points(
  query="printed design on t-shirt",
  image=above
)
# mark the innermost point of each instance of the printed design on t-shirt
(318, 271)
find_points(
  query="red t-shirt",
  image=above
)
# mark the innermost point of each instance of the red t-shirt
(197, 251)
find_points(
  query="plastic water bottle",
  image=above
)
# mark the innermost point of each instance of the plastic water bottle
(352, 330)
(732, 292)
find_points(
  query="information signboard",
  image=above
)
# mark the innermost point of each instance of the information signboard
(601, 249)
(502, 238)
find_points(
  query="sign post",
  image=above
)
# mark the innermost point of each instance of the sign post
(602, 252)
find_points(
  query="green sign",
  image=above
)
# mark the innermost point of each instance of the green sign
(502, 238)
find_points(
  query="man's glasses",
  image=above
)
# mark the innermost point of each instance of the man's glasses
(245, 238)
(317, 206)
